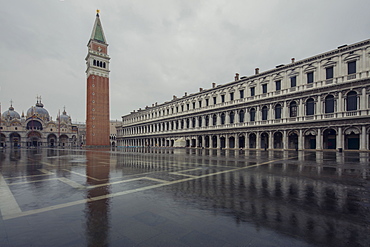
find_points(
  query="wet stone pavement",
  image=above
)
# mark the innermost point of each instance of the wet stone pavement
(183, 197)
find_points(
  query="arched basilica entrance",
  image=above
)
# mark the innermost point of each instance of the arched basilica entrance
(34, 139)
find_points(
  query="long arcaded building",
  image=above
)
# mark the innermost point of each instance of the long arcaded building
(321, 102)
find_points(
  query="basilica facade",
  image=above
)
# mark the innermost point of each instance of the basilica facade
(321, 102)
(36, 129)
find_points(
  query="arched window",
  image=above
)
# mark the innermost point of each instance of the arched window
(94, 62)
(182, 123)
(278, 111)
(34, 125)
(206, 122)
(329, 104)
(241, 116)
(264, 113)
(310, 107)
(352, 101)
(100, 64)
(223, 118)
(293, 109)
(232, 114)
(187, 123)
(104, 65)
(200, 121)
(214, 119)
(193, 122)
(252, 114)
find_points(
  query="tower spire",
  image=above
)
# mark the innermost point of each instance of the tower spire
(97, 33)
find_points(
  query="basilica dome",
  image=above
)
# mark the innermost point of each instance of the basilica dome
(39, 111)
(10, 114)
(64, 117)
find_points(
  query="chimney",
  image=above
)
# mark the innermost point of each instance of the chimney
(257, 71)
(236, 77)
(200, 89)
(293, 60)
(213, 85)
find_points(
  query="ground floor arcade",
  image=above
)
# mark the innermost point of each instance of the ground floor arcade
(37, 139)
(337, 138)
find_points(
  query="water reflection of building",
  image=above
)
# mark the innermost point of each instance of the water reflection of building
(97, 212)
(321, 102)
(36, 128)
(315, 202)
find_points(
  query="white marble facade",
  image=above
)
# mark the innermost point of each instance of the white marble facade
(322, 102)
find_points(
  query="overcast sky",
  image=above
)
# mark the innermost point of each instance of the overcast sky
(160, 48)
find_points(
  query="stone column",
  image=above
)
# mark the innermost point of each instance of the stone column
(300, 140)
(246, 140)
(227, 142)
(318, 105)
(340, 138)
(236, 138)
(285, 140)
(340, 102)
(300, 108)
(362, 99)
(258, 140)
(363, 138)
(271, 140)
(257, 117)
(284, 111)
(270, 113)
(236, 117)
(318, 140)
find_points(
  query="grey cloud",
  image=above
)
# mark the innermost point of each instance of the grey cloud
(160, 48)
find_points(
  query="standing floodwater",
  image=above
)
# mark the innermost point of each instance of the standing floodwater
(183, 197)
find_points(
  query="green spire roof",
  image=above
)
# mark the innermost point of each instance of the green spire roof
(97, 33)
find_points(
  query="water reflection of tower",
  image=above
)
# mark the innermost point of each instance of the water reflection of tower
(97, 211)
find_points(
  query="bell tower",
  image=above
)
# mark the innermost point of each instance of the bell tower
(97, 93)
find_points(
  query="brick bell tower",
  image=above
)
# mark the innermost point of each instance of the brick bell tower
(97, 93)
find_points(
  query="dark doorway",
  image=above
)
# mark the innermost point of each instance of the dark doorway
(252, 140)
(241, 141)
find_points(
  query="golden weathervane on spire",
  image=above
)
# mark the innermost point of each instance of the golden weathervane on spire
(97, 11)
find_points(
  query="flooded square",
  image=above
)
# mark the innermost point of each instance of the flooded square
(183, 197)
